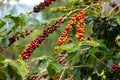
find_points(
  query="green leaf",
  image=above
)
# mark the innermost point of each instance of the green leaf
(19, 68)
(93, 50)
(90, 42)
(73, 3)
(77, 74)
(2, 65)
(2, 23)
(39, 58)
(16, 20)
(20, 21)
(91, 60)
(58, 67)
(5, 41)
(23, 65)
(44, 64)
(95, 76)
(75, 58)
(73, 31)
(118, 19)
(4, 75)
(70, 56)
(1, 58)
(51, 69)
(2, 61)
(54, 68)
(23, 19)
(70, 47)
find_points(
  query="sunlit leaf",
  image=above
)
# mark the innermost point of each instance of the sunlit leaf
(2, 58)
(23, 19)
(5, 41)
(90, 42)
(51, 69)
(2, 23)
(19, 68)
(93, 50)
(118, 19)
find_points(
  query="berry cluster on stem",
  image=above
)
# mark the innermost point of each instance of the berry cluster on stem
(14, 38)
(42, 5)
(35, 43)
(78, 20)
(61, 58)
(115, 69)
(64, 34)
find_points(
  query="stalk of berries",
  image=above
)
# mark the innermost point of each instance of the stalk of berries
(42, 5)
(61, 58)
(79, 20)
(14, 38)
(115, 69)
(35, 43)
(62, 39)
(80, 32)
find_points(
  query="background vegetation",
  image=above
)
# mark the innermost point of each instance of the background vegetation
(95, 57)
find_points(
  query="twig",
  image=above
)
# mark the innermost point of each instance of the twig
(63, 72)
(80, 66)
(101, 61)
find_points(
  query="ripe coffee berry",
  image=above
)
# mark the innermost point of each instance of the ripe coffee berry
(35, 43)
(12, 40)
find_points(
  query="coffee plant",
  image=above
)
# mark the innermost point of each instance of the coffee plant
(88, 47)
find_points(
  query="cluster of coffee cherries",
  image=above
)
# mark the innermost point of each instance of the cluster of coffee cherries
(79, 20)
(42, 5)
(14, 38)
(35, 43)
(61, 58)
(43, 77)
(32, 78)
(62, 39)
(115, 69)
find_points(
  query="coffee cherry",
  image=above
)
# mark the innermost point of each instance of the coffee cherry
(57, 78)
(50, 79)
(56, 49)
(69, 41)
(12, 40)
